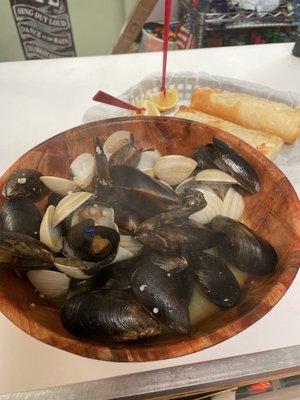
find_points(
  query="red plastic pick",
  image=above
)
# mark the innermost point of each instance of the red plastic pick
(106, 98)
(168, 8)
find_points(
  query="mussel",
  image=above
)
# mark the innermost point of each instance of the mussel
(126, 155)
(220, 155)
(171, 263)
(24, 183)
(162, 295)
(24, 246)
(126, 219)
(95, 244)
(175, 239)
(21, 216)
(215, 279)
(243, 248)
(107, 315)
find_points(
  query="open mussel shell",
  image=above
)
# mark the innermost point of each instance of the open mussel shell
(59, 186)
(24, 183)
(127, 155)
(49, 235)
(21, 216)
(51, 284)
(243, 248)
(24, 246)
(116, 141)
(72, 267)
(82, 169)
(96, 244)
(174, 169)
(101, 162)
(161, 295)
(69, 204)
(178, 240)
(107, 315)
(215, 279)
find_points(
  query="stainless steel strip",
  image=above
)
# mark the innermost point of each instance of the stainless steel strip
(184, 379)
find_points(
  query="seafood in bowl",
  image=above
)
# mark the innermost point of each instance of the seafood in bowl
(136, 245)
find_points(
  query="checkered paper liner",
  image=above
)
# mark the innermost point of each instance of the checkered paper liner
(185, 83)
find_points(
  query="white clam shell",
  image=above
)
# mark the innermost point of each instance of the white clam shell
(130, 243)
(115, 141)
(59, 185)
(186, 183)
(212, 209)
(149, 172)
(71, 267)
(174, 169)
(148, 159)
(122, 254)
(51, 284)
(214, 175)
(49, 235)
(99, 214)
(83, 170)
(69, 204)
(233, 205)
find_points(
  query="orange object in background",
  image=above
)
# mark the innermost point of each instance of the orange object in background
(260, 387)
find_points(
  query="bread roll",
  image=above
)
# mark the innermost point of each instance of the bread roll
(249, 111)
(266, 144)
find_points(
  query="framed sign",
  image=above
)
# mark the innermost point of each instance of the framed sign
(44, 28)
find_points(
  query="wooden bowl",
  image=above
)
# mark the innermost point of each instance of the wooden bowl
(274, 213)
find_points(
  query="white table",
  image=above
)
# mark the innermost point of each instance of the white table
(41, 98)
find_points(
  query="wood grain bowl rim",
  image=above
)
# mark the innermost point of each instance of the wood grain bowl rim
(186, 345)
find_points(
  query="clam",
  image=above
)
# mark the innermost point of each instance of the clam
(52, 284)
(24, 183)
(215, 279)
(212, 208)
(71, 267)
(60, 186)
(69, 204)
(21, 216)
(24, 246)
(126, 155)
(147, 161)
(49, 235)
(243, 248)
(96, 244)
(100, 214)
(233, 205)
(83, 170)
(116, 141)
(174, 169)
(214, 175)
(131, 244)
(107, 315)
(161, 295)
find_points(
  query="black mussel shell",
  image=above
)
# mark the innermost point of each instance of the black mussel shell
(118, 275)
(24, 246)
(126, 155)
(32, 263)
(162, 295)
(54, 199)
(243, 248)
(215, 279)
(21, 216)
(96, 244)
(236, 166)
(24, 183)
(171, 239)
(203, 157)
(126, 219)
(102, 167)
(107, 315)
(129, 177)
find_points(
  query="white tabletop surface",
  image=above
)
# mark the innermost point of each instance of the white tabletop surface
(41, 98)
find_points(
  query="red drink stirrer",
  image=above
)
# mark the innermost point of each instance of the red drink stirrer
(168, 7)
